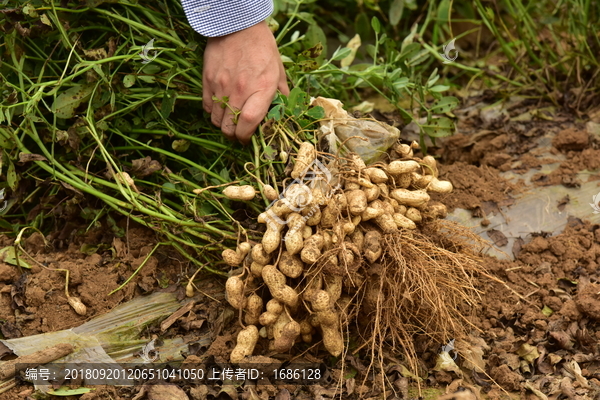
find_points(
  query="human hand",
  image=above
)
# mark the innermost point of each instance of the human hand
(245, 67)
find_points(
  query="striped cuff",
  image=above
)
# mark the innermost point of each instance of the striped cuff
(221, 17)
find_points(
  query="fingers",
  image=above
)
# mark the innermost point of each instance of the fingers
(282, 84)
(207, 102)
(231, 117)
(253, 111)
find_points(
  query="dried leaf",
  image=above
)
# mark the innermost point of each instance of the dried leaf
(528, 353)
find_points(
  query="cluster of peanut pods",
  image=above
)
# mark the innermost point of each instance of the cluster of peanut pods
(324, 231)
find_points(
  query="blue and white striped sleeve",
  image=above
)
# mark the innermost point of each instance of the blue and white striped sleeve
(214, 18)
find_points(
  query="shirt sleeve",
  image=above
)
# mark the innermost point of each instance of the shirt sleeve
(214, 18)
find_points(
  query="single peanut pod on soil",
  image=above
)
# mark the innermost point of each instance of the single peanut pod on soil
(270, 192)
(403, 222)
(431, 166)
(372, 246)
(234, 289)
(402, 167)
(372, 193)
(384, 190)
(290, 332)
(413, 214)
(376, 175)
(312, 249)
(415, 145)
(414, 198)
(306, 156)
(438, 186)
(293, 238)
(245, 192)
(290, 265)
(259, 254)
(357, 201)
(254, 307)
(77, 305)
(246, 341)
(275, 281)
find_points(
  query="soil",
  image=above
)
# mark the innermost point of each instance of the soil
(536, 334)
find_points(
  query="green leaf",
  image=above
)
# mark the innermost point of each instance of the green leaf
(443, 13)
(66, 391)
(308, 65)
(528, 353)
(67, 102)
(276, 112)
(296, 101)
(169, 187)
(128, 80)
(168, 103)
(376, 25)
(180, 145)
(439, 127)
(439, 88)
(224, 173)
(341, 52)
(547, 311)
(396, 10)
(418, 58)
(7, 254)
(89, 249)
(314, 34)
(444, 105)
(317, 112)
(11, 176)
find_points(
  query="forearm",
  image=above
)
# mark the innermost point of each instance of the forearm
(214, 18)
